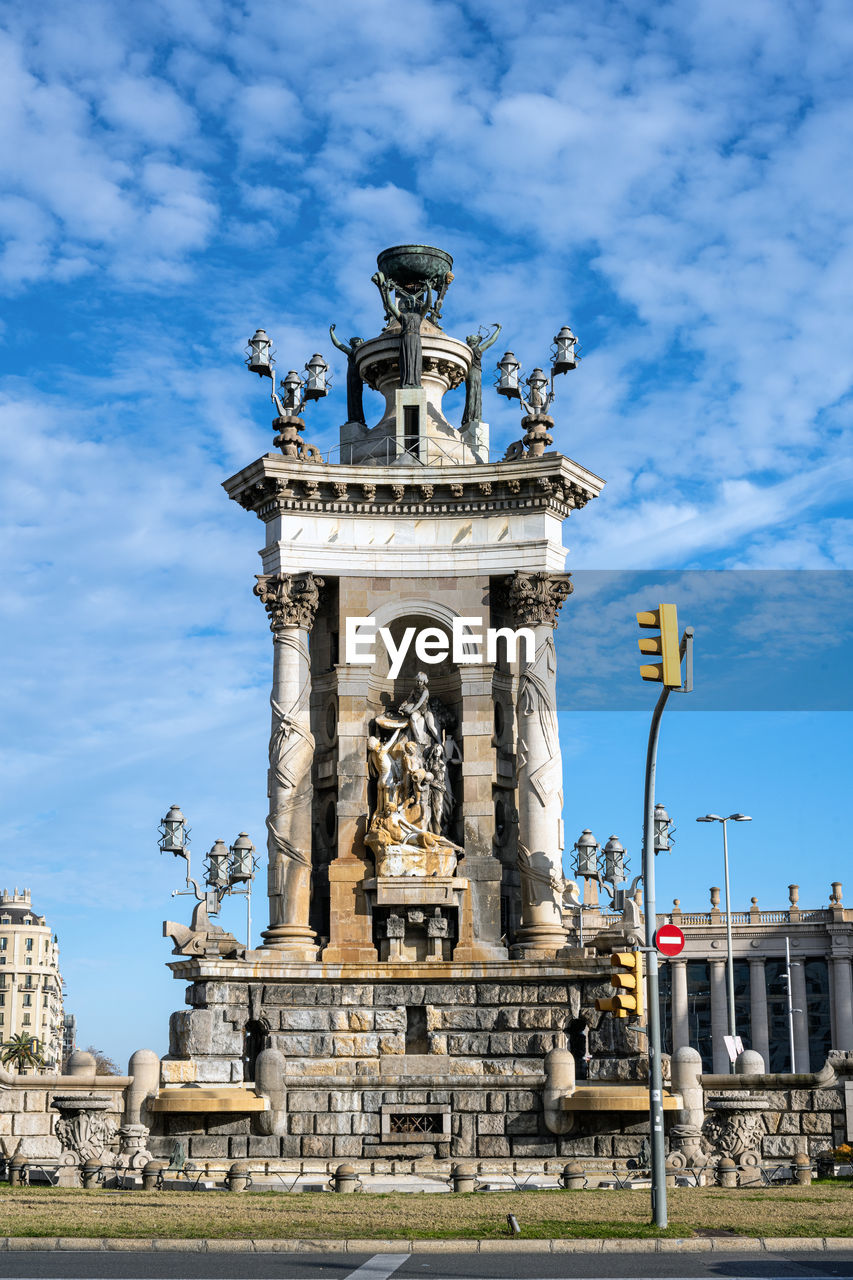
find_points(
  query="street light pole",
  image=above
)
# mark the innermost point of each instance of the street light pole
(730, 963)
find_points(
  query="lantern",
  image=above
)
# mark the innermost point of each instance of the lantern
(586, 863)
(217, 865)
(242, 867)
(614, 861)
(538, 385)
(508, 371)
(174, 833)
(663, 830)
(292, 387)
(317, 370)
(259, 357)
(563, 353)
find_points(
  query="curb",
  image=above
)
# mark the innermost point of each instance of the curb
(671, 1244)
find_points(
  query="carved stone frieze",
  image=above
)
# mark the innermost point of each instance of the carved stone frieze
(290, 600)
(274, 494)
(536, 598)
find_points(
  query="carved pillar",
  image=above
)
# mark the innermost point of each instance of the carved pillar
(680, 1018)
(480, 913)
(350, 921)
(534, 600)
(291, 603)
(758, 1009)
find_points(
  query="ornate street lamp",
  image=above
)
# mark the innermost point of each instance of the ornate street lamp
(297, 391)
(664, 829)
(259, 355)
(315, 386)
(174, 833)
(508, 371)
(586, 860)
(563, 354)
(217, 866)
(614, 862)
(226, 867)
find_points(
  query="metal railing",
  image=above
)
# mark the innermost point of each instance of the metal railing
(389, 452)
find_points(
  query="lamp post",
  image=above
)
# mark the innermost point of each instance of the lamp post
(730, 964)
(226, 868)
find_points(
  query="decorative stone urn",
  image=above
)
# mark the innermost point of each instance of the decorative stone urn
(84, 1129)
(735, 1129)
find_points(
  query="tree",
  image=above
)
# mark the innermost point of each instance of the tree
(104, 1066)
(21, 1051)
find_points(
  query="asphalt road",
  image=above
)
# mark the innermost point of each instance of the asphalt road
(513, 1263)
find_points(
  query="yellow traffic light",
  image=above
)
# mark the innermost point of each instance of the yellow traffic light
(665, 620)
(627, 978)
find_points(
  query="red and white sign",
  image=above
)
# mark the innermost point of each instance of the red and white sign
(669, 940)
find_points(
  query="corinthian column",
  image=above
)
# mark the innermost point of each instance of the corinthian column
(535, 600)
(291, 603)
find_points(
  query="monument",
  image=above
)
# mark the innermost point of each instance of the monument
(415, 969)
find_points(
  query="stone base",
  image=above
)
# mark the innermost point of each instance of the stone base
(296, 942)
(434, 1060)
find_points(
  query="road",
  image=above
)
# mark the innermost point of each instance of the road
(511, 1263)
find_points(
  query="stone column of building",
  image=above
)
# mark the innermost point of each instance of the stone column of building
(350, 922)
(680, 1013)
(759, 1027)
(480, 923)
(801, 1019)
(535, 600)
(291, 603)
(842, 999)
(719, 1016)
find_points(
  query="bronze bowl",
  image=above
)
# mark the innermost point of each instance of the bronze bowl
(414, 266)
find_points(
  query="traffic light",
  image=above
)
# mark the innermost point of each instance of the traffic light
(627, 978)
(665, 619)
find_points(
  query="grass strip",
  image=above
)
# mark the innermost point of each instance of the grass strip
(822, 1210)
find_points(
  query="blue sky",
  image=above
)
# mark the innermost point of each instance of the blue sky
(672, 180)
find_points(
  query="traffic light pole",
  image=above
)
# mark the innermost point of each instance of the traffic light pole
(659, 1212)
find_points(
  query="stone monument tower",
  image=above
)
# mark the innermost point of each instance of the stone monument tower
(416, 953)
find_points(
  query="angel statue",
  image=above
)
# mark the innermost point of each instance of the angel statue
(478, 342)
(355, 386)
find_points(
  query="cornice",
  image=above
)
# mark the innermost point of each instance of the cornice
(273, 485)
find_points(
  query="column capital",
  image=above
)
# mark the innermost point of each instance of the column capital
(291, 600)
(536, 598)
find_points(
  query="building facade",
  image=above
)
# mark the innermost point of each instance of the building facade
(30, 981)
(694, 990)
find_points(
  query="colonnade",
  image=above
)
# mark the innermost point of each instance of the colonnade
(757, 1033)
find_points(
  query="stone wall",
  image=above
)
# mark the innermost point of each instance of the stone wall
(463, 1058)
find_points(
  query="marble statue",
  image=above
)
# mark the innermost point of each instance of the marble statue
(478, 342)
(414, 802)
(355, 386)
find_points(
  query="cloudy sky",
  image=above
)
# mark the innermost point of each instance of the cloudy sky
(671, 179)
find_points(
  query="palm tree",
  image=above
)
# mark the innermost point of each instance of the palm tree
(21, 1051)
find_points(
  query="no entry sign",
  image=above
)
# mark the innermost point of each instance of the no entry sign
(669, 940)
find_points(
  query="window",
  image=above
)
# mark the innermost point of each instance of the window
(27, 1000)
(26, 1020)
(29, 944)
(2, 999)
(4, 942)
(2, 1019)
(28, 980)
(28, 960)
